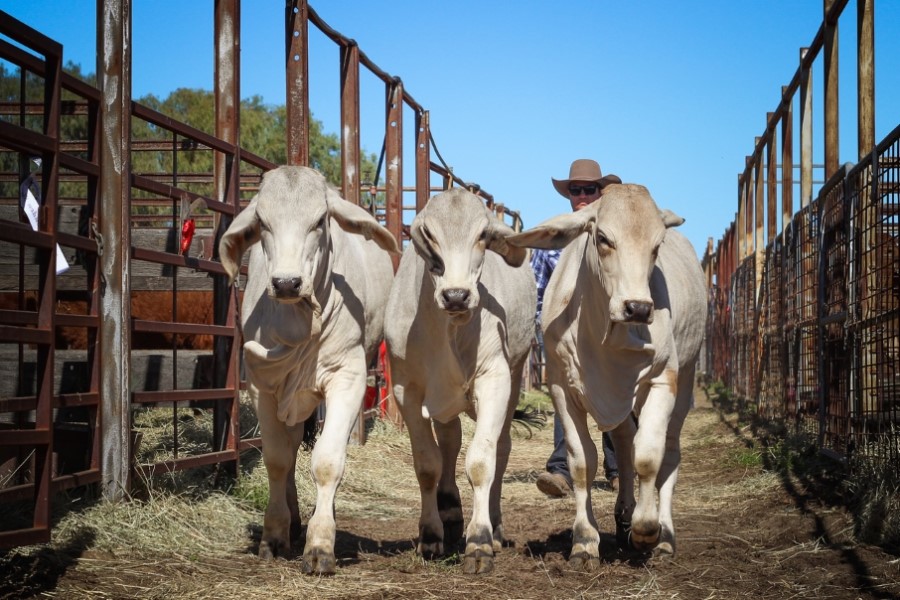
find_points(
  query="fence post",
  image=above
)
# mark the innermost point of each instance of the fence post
(114, 38)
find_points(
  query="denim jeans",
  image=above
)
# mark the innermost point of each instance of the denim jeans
(558, 462)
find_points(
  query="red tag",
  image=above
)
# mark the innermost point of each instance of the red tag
(187, 234)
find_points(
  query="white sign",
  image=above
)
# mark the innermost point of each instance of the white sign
(31, 209)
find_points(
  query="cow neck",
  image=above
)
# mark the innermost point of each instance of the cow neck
(450, 329)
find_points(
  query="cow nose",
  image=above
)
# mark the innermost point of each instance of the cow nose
(455, 299)
(638, 311)
(286, 287)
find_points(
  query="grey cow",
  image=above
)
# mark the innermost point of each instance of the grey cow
(624, 316)
(312, 315)
(460, 327)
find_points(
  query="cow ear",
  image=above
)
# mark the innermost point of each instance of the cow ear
(240, 235)
(354, 219)
(555, 233)
(670, 219)
(498, 233)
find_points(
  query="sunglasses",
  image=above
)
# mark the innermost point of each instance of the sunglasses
(576, 190)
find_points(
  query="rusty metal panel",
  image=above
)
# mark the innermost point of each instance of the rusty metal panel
(787, 161)
(832, 125)
(875, 304)
(26, 446)
(394, 159)
(806, 129)
(423, 159)
(771, 330)
(743, 340)
(835, 256)
(297, 90)
(350, 122)
(865, 76)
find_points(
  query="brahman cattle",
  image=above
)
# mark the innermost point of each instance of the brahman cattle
(460, 328)
(312, 316)
(624, 317)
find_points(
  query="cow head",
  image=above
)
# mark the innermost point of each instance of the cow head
(289, 217)
(626, 229)
(451, 234)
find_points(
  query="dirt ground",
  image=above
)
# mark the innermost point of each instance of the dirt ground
(742, 533)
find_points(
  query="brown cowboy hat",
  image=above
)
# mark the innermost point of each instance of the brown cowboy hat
(584, 169)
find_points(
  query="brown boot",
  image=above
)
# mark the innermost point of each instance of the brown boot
(554, 484)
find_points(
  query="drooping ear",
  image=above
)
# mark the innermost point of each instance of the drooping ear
(669, 218)
(556, 232)
(423, 242)
(240, 235)
(354, 219)
(498, 233)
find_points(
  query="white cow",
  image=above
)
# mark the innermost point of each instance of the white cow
(460, 328)
(312, 316)
(624, 317)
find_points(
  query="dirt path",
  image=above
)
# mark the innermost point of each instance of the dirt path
(742, 533)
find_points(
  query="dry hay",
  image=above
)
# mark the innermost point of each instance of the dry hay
(743, 531)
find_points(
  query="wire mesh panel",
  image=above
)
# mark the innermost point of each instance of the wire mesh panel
(771, 331)
(834, 294)
(876, 310)
(801, 279)
(744, 328)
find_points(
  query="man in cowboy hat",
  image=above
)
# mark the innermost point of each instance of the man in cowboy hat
(584, 185)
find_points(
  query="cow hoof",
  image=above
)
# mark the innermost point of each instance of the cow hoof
(431, 543)
(453, 532)
(478, 563)
(272, 549)
(317, 562)
(498, 539)
(664, 549)
(623, 534)
(582, 561)
(644, 542)
(430, 551)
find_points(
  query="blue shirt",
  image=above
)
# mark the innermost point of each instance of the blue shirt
(543, 262)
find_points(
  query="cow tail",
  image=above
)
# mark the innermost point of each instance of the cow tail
(310, 430)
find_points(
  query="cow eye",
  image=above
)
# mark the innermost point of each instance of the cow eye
(436, 267)
(603, 241)
(321, 223)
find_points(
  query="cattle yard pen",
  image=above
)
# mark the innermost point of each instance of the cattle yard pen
(805, 320)
(142, 326)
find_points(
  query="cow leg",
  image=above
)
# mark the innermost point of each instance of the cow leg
(623, 442)
(279, 456)
(449, 504)
(668, 474)
(342, 404)
(427, 464)
(649, 451)
(491, 394)
(504, 446)
(296, 528)
(582, 456)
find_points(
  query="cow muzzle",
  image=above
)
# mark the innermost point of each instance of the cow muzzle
(285, 289)
(637, 311)
(457, 303)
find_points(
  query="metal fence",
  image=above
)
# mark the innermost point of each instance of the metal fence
(805, 322)
(96, 355)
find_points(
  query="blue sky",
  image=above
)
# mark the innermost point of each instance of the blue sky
(669, 95)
